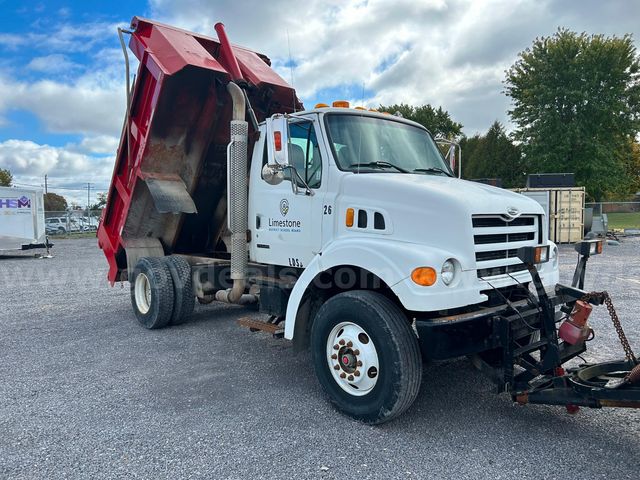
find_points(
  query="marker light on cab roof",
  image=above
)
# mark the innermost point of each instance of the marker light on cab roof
(341, 104)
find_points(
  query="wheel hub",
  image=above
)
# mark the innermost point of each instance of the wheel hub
(142, 291)
(352, 358)
(348, 360)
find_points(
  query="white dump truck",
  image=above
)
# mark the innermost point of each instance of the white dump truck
(346, 227)
(22, 219)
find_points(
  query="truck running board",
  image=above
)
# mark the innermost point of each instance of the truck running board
(256, 325)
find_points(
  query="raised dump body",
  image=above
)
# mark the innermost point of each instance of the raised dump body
(167, 192)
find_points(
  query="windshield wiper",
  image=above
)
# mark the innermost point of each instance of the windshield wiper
(432, 170)
(380, 164)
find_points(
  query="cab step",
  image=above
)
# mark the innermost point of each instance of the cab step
(256, 325)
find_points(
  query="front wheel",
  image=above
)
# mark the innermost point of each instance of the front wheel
(366, 356)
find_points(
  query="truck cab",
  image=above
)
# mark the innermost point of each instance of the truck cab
(372, 191)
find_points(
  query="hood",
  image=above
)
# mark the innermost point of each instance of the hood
(475, 198)
(430, 209)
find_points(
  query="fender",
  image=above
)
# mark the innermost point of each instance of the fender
(391, 261)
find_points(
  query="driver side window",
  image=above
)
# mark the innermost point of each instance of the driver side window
(304, 154)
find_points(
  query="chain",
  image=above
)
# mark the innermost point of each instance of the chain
(616, 322)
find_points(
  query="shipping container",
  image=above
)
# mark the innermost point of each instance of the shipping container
(564, 207)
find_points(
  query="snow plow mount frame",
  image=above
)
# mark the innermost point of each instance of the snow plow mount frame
(542, 379)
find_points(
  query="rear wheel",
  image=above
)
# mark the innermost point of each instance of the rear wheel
(366, 356)
(184, 298)
(152, 295)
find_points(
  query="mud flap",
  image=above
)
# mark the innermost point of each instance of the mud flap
(137, 248)
(170, 194)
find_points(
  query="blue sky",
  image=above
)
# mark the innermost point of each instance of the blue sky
(34, 22)
(62, 75)
(58, 42)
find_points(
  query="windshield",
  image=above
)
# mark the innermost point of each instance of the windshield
(369, 144)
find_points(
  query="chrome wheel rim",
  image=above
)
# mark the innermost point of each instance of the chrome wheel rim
(142, 290)
(352, 358)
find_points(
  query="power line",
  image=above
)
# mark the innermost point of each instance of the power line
(54, 187)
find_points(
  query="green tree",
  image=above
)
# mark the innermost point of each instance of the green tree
(576, 105)
(54, 202)
(5, 178)
(436, 120)
(631, 160)
(493, 155)
(102, 201)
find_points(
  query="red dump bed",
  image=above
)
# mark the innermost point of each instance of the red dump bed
(169, 181)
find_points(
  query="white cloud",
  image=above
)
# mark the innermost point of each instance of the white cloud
(449, 53)
(54, 63)
(68, 171)
(24, 157)
(64, 38)
(93, 104)
(96, 145)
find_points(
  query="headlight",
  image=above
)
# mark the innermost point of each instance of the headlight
(448, 272)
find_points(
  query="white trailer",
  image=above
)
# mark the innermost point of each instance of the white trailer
(22, 219)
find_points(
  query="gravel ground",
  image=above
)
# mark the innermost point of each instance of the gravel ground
(87, 393)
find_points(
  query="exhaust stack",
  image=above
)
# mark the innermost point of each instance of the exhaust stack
(237, 202)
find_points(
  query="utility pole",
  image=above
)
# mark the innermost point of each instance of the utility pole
(89, 203)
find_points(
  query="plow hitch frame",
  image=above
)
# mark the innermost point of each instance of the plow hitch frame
(531, 369)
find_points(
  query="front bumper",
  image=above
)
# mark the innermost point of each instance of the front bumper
(482, 330)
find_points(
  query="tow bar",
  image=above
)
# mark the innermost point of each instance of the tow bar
(545, 381)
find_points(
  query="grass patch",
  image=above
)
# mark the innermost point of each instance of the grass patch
(624, 220)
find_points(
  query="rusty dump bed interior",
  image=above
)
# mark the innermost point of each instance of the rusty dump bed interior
(169, 180)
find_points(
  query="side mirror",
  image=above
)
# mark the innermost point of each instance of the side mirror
(278, 138)
(454, 148)
(277, 149)
(273, 174)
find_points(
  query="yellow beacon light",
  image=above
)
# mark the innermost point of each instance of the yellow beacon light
(321, 105)
(341, 104)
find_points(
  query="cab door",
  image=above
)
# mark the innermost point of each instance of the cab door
(286, 219)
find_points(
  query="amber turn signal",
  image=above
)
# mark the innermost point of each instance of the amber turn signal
(349, 218)
(425, 276)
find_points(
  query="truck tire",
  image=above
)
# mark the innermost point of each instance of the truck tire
(366, 356)
(152, 292)
(184, 298)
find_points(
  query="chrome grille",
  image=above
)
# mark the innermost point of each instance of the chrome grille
(496, 241)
